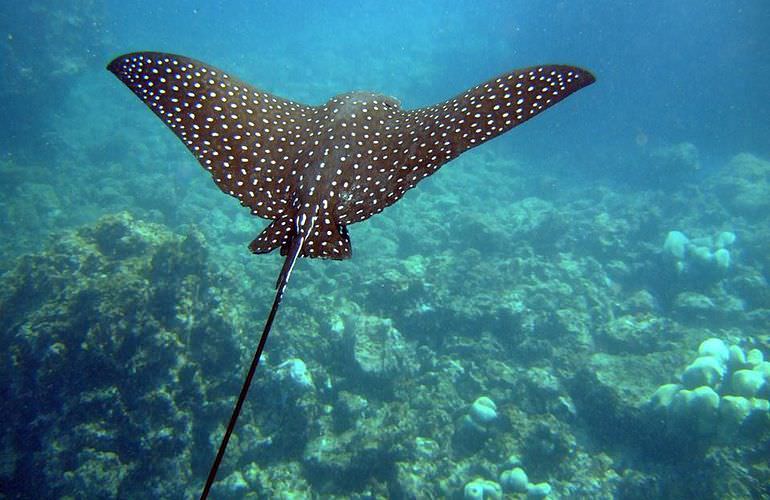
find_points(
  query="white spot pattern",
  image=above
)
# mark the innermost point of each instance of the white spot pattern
(316, 169)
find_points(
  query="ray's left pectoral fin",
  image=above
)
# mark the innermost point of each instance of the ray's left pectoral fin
(216, 115)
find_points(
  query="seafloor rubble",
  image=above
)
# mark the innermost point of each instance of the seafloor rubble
(511, 352)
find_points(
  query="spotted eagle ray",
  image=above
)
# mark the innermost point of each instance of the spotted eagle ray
(314, 170)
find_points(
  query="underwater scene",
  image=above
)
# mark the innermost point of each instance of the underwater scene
(577, 308)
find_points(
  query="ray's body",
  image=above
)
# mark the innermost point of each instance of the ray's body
(313, 170)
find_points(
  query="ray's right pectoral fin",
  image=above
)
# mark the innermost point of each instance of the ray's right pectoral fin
(276, 235)
(496, 106)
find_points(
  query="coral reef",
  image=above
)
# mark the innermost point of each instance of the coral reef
(107, 338)
(723, 392)
(742, 186)
(507, 353)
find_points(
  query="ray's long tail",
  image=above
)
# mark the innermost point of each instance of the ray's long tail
(283, 279)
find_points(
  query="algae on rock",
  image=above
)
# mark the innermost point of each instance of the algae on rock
(104, 339)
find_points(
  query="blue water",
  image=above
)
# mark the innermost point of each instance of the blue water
(76, 145)
(673, 72)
